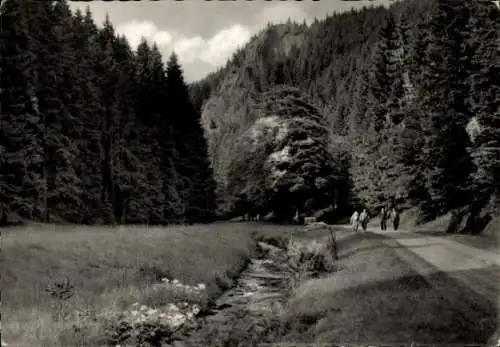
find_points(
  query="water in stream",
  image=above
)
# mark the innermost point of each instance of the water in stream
(260, 292)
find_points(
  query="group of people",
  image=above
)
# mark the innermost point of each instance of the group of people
(361, 219)
(386, 215)
(358, 219)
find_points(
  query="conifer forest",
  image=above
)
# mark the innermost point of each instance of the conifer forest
(396, 104)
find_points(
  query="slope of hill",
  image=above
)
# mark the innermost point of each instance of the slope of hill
(323, 60)
(369, 72)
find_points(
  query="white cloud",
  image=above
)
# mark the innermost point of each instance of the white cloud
(220, 47)
(199, 55)
(191, 50)
(136, 30)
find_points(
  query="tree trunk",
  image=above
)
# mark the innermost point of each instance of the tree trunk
(3, 216)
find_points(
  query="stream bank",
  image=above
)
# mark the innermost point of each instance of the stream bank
(251, 313)
(246, 313)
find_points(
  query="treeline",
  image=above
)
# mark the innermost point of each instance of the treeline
(92, 132)
(412, 93)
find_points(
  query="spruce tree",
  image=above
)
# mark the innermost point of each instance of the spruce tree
(196, 184)
(61, 121)
(173, 205)
(144, 144)
(485, 98)
(385, 111)
(21, 151)
(87, 102)
(444, 92)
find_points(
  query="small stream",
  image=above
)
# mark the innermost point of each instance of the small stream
(261, 289)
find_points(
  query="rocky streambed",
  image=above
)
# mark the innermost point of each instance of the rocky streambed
(244, 314)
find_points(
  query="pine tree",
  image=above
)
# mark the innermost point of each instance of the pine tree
(444, 93)
(148, 202)
(55, 71)
(88, 108)
(108, 78)
(385, 110)
(173, 205)
(485, 98)
(21, 152)
(197, 186)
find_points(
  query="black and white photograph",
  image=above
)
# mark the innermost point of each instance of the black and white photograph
(245, 173)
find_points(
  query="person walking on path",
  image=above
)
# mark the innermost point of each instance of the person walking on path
(395, 218)
(363, 218)
(355, 221)
(384, 215)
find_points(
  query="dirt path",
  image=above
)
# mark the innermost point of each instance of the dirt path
(478, 269)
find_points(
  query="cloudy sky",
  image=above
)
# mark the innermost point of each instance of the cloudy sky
(205, 33)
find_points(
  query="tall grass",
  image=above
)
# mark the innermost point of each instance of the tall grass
(59, 281)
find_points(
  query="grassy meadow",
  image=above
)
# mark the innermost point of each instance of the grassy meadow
(372, 296)
(103, 270)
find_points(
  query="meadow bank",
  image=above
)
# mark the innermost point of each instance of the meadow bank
(60, 283)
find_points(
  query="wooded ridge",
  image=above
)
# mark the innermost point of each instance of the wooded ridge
(358, 109)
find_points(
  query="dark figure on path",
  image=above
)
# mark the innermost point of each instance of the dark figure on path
(384, 215)
(395, 216)
(363, 219)
(308, 207)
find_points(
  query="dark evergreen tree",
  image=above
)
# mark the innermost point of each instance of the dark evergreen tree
(87, 102)
(21, 131)
(148, 203)
(384, 111)
(61, 122)
(485, 98)
(108, 76)
(444, 92)
(173, 205)
(196, 183)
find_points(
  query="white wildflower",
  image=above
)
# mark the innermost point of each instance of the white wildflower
(165, 280)
(172, 307)
(195, 309)
(134, 313)
(175, 281)
(201, 286)
(162, 315)
(140, 319)
(152, 311)
(176, 319)
(143, 308)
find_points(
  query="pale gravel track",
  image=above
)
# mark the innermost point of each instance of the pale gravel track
(474, 268)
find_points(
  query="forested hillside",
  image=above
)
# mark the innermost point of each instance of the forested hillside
(92, 132)
(361, 108)
(411, 95)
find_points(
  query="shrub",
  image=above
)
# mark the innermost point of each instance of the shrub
(310, 258)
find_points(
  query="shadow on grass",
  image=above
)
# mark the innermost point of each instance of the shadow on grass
(403, 310)
(371, 248)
